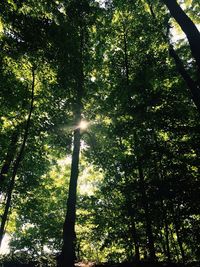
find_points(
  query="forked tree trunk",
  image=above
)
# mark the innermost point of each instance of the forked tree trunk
(187, 26)
(17, 163)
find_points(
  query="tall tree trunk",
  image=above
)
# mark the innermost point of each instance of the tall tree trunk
(69, 236)
(130, 211)
(68, 253)
(9, 157)
(187, 26)
(17, 162)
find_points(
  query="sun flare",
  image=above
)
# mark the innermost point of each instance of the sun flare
(83, 125)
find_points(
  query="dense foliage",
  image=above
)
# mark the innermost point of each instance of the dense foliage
(125, 70)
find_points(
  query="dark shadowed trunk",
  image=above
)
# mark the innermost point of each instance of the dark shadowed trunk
(17, 163)
(187, 26)
(9, 157)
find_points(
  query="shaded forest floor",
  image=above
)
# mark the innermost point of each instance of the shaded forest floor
(139, 264)
(93, 264)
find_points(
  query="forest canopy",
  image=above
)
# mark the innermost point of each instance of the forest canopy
(99, 132)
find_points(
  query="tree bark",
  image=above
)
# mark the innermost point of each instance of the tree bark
(17, 163)
(187, 26)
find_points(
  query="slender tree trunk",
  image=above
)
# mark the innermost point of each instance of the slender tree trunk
(130, 211)
(167, 240)
(17, 163)
(135, 238)
(9, 158)
(149, 231)
(126, 59)
(133, 229)
(166, 231)
(126, 62)
(177, 223)
(163, 208)
(162, 242)
(187, 26)
(69, 236)
(179, 240)
(174, 243)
